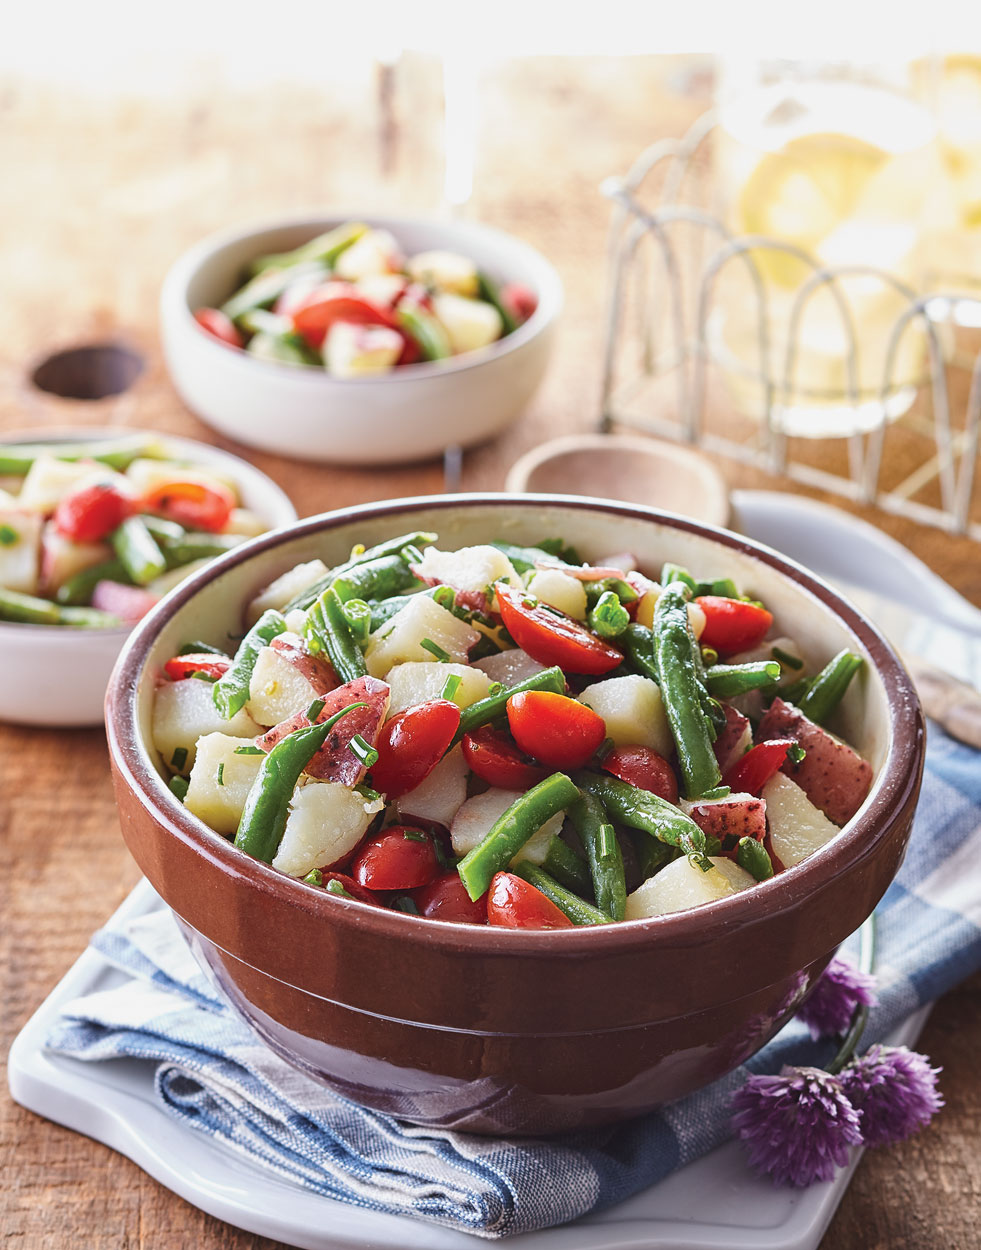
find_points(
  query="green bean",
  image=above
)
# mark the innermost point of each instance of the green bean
(523, 559)
(327, 629)
(376, 579)
(165, 532)
(194, 546)
(724, 587)
(566, 866)
(682, 693)
(325, 249)
(652, 855)
(675, 573)
(262, 291)
(598, 836)
(726, 680)
(637, 644)
(642, 809)
(608, 617)
(137, 550)
(178, 787)
(596, 590)
(358, 616)
(489, 291)
(512, 830)
(30, 610)
(578, 910)
(260, 829)
(827, 688)
(383, 610)
(392, 547)
(79, 587)
(494, 705)
(230, 692)
(16, 458)
(752, 856)
(424, 329)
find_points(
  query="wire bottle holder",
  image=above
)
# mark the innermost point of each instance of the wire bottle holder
(676, 302)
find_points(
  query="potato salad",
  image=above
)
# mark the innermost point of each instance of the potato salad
(92, 535)
(509, 736)
(352, 302)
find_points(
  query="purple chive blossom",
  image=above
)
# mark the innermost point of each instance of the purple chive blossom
(895, 1089)
(796, 1126)
(829, 1008)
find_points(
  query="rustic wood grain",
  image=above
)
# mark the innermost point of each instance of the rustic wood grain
(99, 195)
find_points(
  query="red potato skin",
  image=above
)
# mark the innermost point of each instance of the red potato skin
(317, 669)
(834, 777)
(734, 740)
(475, 600)
(738, 816)
(335, 761)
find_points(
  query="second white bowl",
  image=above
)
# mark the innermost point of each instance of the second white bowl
(412, 413)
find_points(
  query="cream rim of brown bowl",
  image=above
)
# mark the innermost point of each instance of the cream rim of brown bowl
(897, 777)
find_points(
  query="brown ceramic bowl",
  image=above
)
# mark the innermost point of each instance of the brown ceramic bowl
(508, 1031)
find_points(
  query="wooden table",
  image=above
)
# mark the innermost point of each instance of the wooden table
(99, 195)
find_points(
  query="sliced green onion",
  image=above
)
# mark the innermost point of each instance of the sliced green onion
(785, 658)
(451, 686)
(314, 877)
(414, 835)
(8, 535)
(718, 792)
(314, 710)
(445, 596)
(221, 774)
(406, 904)
(365, 752)
(179, 759)
(334, 886)
(796, 753)
(435, 649)
(178, 786)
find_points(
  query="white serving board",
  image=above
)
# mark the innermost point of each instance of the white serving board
(713, 1204)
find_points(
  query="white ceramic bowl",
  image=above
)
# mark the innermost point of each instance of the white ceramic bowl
(412, 413)
(54, 675)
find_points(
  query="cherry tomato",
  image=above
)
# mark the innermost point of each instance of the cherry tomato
(514, 904)
(411, 744)
(520, 300)
(446, 898)
(732, 625)
(339, 301)
(91, 513)
(182, 666)
(559, 731)
(399, 858)
(214, 322)
(553, 639)
(642, 767)
(495, 759)
(752, 771)
(193, 504)
(351, 887)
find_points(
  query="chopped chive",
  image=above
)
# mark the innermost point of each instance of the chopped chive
(709, 656)
(8, 535)
(221, 774)
(411, 554)
(314, 710)
(529, 601)
(365, 752)
(414, 835)
(334, 886)
(314, 877)
(358, 550)
(451, 686)
(179, 759)
(178, 787)
(784, 657)
(248, 751)
(210, 678)
(494, 688)
(366, 792)
(435, 649)
(604, 748)
(445, 596)
(194, 647)
(796, 753)
(607, 841)
(717, 792)
(406, 904)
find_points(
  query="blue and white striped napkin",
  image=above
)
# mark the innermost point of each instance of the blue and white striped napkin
(212, 1073)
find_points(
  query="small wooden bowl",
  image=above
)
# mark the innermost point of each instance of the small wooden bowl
(632, 468)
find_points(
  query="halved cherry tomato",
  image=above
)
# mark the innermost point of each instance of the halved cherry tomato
(91, 513)
(752, 771)
(640, 766)
(446, 898)
(399, 858)
(732, 625)
(520, 300)
(553, 639)
(495, 759)
(512, 903)
(351, 887)
(182, 666)
(341, 301)
(559, 731)
(411, 744)
(193, 504)
(214, 322)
